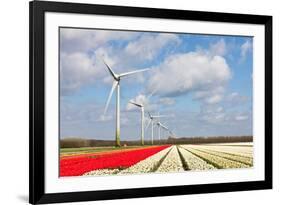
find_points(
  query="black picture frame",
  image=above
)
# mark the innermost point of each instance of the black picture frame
(37, 9)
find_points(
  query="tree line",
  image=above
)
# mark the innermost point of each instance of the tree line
(79, 142)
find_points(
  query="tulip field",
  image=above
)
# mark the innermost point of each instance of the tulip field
(101, 161)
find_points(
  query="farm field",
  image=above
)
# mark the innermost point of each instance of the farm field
(98, 161)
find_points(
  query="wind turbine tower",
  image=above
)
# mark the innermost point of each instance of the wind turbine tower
(142, 119)
(160, 125)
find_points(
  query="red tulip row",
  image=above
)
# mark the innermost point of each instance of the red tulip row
(120, 160)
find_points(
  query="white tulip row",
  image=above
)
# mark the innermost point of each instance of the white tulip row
(234, 144)
(216, 160)
(147, 165)
(101, 172)
(231, 156)
(193, 162)
(172, 162)
(242, 151)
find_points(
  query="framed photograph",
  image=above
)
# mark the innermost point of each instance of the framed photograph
(130, 102)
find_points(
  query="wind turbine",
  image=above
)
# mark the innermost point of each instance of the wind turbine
(116, 85)
(152, 117)
(171, 133)
(142, 119)
(160, 125)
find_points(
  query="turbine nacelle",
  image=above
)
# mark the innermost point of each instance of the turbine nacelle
(163, 126)
(155, 116)
(136, 104)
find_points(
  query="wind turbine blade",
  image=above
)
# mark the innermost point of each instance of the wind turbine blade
(151, 94)
(110, 70)
(136, 104)
(132, 72)
(165, 127)
(160, 116)
(110, 95)
(148, 124)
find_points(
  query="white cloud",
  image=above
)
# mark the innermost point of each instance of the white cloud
(218, 48)
(73, 40)
(77, 69)
(81, 50)
(193, 71)
(124, 121)
(214, 99)
(232, 96)
(148, 46)
(212, 114)
(245, 49)
(219, 109)
(241, 117)
(235, 98)
(104, 118)
(210, 95)
(104, 53)
(167, 101)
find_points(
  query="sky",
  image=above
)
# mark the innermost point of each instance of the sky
(202, 83)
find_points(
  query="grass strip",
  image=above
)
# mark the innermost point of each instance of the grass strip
(160, 161)
(184, 164)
